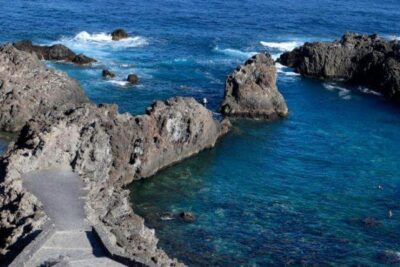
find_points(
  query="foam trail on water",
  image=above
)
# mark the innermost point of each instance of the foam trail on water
(234, 52)
(118, 83)
(282, 46)
(368, 91)
(342, 92)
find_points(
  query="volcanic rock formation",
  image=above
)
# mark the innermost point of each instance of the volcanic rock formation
(28, 88)
(54, 52)
(361, 59)
(108, 150)
(251, 91)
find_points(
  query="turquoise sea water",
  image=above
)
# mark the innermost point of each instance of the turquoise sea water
(295, 191)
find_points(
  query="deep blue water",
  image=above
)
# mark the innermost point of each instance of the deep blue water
(291, 191)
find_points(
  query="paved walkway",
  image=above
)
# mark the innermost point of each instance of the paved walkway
(73, 243)
(61, 194)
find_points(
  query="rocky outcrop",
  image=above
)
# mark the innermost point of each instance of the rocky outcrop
(362, 59)
(54, 52)
(251, 91)
(119, 34)
(28, 88)
(133, 78)
(108, 150)
(108, 74)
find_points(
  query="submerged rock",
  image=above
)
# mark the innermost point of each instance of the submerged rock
(81, 59)
(28, 89)
(250, 91)
(108, 150)
(389, 256)
(106, 73)
(187, 216)
(119, 34)
(133, 78)
(362, 59)
(54, 52)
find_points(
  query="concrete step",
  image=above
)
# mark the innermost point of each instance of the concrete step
(73, 240)
(97, 262)
(70, 245)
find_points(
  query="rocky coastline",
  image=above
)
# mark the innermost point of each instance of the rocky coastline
(107, 149)
(58, 128)
(29, 88)
(359, 59)
(53, 52)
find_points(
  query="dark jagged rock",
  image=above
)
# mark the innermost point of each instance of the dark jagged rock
(81, 59)
(26, 90)
(133, 78)
(361, 59)
(119, 34)
(108, 150)
(187, 216)
(250, 91)
(54, 52)
(106, 73)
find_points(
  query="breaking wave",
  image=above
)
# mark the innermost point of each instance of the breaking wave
(234, 52)
(282, 46)
(84, 40)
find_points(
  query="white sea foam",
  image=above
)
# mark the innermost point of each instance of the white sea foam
(135, 41)
(234, 52)
(282, 46)
(392, 37)
(118, 83)
(85, 41)
(285, 70)
(343, 93)
(368, 91)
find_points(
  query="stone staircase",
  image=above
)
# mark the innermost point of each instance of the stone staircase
(67, 239)
(72, 248)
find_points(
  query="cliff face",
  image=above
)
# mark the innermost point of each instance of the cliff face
(251, 91)
(360, 59)
(108, 150)
(27, 88)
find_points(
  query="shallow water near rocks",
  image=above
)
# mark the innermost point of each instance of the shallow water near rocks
(295, 191)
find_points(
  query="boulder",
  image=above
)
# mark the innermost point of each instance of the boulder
(54, 52)
(187, 216)
(251, 91)
(81, 59)
(359, 59)
(108, 74)
(119, 34)
(108, 150)
(133, 78)
(28, 88)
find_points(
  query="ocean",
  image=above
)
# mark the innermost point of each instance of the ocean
(302, 190)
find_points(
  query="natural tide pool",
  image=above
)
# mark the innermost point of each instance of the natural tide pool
(305, 190)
